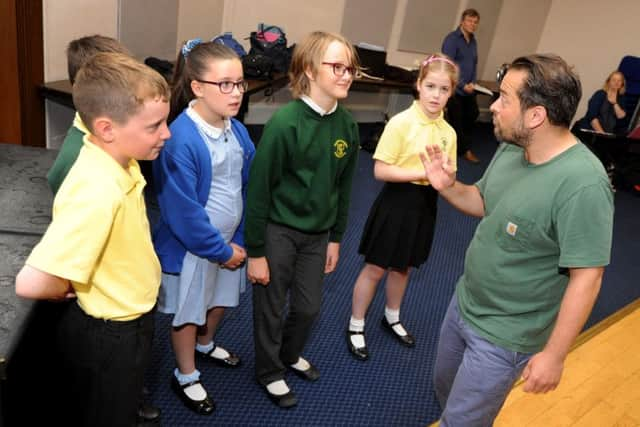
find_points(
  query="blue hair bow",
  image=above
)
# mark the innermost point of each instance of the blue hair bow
(190, 44)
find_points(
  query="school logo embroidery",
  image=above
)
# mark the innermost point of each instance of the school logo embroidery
(443, 142)
(341, 147)
(512, 229)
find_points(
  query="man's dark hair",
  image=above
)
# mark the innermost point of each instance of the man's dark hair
(471, 13)
(550, 83)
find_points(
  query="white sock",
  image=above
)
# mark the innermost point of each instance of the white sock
(357, 325)
(393, 316)
(301, 364)
(195, 391)
(218, 352)
(278, 388)
(206, 348)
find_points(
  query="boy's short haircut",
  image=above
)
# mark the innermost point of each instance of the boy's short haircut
(309, 54)
(80, 50)
(115, 85)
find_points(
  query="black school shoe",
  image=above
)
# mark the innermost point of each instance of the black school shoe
(309, 374)
(405, 340)
(232, 361)
(202, 407)
(284, 401)
(360, 353)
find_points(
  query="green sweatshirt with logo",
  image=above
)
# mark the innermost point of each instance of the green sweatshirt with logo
(301, 174)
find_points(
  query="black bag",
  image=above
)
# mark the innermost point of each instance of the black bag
(391, 72)
(164, 67)
(271, 41)
(372, 61)
(257, 66)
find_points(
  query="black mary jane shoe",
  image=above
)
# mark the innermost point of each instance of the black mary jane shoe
(360, 353)
(309, 374)
(405, 340)
(202, 407)
(286, 400)
(231, 361)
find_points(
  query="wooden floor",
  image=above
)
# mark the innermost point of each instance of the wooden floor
(600, 386)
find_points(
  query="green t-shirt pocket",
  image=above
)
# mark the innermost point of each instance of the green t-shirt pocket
(513, 233)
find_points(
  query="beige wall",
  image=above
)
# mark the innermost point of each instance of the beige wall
(199, 18)
(297, 18)
(148, 27)
(593, 36)
(65, 20)
(587, 33)
(489, 11)
(402, 58)
(510, 25)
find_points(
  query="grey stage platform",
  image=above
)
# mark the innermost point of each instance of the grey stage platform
(25, 200)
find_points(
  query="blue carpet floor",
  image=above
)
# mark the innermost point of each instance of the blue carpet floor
(394, 388)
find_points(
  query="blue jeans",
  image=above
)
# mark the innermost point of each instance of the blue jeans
(472, 376)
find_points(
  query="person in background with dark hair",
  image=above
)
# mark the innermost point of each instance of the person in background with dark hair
(462, 108)
(201, 179)
(534, 267)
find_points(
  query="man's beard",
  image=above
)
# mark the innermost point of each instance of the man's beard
(519, 135)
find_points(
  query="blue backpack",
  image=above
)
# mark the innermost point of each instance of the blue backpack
(228, 40)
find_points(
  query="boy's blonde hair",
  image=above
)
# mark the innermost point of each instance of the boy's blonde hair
(440, 62)
(115, 85)
(309, 54)
(80, 50)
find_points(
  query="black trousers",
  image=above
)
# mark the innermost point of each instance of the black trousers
(296, 266)
(104, 364)
(462, 112)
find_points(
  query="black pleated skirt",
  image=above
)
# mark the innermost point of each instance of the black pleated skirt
(400, 226)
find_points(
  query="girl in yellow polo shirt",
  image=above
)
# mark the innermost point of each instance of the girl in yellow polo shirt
(398, 233)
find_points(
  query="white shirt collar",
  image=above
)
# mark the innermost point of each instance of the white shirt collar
(315, 107)
(209, 130)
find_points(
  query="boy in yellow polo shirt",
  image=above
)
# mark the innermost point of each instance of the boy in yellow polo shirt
(98, 246)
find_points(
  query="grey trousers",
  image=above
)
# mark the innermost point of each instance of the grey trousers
(296, 265)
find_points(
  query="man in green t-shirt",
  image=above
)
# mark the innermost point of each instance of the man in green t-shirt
(534, 267)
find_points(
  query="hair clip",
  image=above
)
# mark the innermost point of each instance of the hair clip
(189, 45)
(432, 58)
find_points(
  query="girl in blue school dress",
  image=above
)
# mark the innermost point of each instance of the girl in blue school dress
(200, 178)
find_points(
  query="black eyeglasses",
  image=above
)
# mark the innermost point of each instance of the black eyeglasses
(339, 69)
(227, 86)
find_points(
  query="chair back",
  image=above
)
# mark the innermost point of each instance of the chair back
(630, 68)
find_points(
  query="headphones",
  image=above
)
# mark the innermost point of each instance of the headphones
(501, 72)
